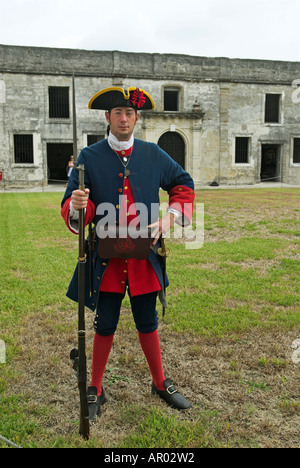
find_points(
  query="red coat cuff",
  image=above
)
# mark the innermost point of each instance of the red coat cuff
(89, 215)
(181, 198)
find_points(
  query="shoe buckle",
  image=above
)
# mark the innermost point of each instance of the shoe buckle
(92, 399)
(171, 389)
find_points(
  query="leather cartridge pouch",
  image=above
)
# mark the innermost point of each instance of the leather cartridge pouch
(124, 242)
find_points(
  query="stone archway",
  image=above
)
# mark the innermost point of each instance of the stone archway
(173, 144)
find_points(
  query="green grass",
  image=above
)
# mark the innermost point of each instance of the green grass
(156, 426)
(246, 276)
(230, 298)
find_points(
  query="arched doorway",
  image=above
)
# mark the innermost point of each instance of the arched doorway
(173, 144)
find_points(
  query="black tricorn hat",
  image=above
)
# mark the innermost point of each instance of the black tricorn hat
(109, 98)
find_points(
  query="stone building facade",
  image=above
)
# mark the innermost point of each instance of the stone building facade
(230, 121)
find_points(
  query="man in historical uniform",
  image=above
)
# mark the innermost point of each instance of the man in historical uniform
(127, 173)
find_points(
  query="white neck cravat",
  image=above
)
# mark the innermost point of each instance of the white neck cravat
(117, 145)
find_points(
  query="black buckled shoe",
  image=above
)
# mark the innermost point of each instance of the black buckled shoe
(171, 396)
(95, 402)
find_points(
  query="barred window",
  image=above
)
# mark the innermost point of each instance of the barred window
(91, 139)
(272, 108)
(241, 150)
(296, 153)
(23, 146)
(59, 103)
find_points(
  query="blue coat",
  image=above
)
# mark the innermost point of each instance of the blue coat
(150, 169)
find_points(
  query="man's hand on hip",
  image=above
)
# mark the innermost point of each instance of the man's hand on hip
(162, 226)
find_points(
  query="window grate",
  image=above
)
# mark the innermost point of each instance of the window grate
(59, 103)
(241, 150)
(91, 139)
(23, 145)
(296, 153)
(272, 108)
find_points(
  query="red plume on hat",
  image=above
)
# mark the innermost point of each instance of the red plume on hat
(112, 97)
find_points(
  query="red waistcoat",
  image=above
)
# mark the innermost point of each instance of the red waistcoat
(139, 274)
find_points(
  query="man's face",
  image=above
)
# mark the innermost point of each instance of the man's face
(122, 121)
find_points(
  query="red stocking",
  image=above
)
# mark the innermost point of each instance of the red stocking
(151, 347)
(101, 350)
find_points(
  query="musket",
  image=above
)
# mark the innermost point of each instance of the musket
(79, 356)
(84, 428)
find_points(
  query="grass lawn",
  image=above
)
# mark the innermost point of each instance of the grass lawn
(227, 337)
